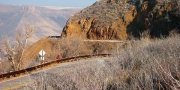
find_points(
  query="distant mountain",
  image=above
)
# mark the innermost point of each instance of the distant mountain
(47, 20)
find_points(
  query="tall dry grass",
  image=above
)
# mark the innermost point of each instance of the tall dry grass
(68, 47)
(151, 64)
(141, 65)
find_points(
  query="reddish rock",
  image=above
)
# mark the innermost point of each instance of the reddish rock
(116, 19)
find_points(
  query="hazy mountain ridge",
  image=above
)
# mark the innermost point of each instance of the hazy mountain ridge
(46, 20)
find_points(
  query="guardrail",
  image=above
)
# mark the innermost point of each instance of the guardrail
(40, 67)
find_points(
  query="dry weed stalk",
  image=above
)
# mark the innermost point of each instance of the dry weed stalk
(15, 52)
(140, 66)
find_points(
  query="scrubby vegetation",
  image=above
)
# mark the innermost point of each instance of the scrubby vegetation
(118, 19)
(74, 47)
(105, 10)
(64, 47)
(13, 52)
(141, 65)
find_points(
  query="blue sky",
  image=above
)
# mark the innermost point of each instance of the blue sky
(62, 3)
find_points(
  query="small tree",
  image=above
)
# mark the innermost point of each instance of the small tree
(15, 52)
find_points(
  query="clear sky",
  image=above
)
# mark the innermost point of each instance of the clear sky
(62, 3)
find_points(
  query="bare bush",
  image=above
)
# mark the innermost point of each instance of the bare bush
(152, 65)
(15, 51)
(139, 66)
(74, 47)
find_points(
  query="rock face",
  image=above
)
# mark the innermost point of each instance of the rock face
(120, 19)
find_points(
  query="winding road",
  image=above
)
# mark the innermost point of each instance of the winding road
(60, 69)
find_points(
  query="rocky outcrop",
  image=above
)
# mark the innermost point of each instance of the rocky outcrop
(119, 19)
(159, 17)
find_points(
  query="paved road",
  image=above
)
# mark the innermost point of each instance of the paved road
(60, 69)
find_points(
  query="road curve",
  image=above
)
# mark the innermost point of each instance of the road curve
(28, 78)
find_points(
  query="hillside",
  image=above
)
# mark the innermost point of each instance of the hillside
(121, 19)
(65, 48)
(146, 65)
(138, 64)
(48, 21)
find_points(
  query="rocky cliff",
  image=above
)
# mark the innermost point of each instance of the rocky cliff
(119, 19)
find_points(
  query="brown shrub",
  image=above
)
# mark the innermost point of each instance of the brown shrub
(143, 65)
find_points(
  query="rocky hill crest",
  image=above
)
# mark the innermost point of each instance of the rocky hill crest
(120, 19)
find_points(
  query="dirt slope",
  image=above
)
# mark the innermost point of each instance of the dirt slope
(67, 48)
(32, 53)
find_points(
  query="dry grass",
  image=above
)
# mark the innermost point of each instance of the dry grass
(74, 47)
(151, 65)
(63, 47)
(141, 65)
